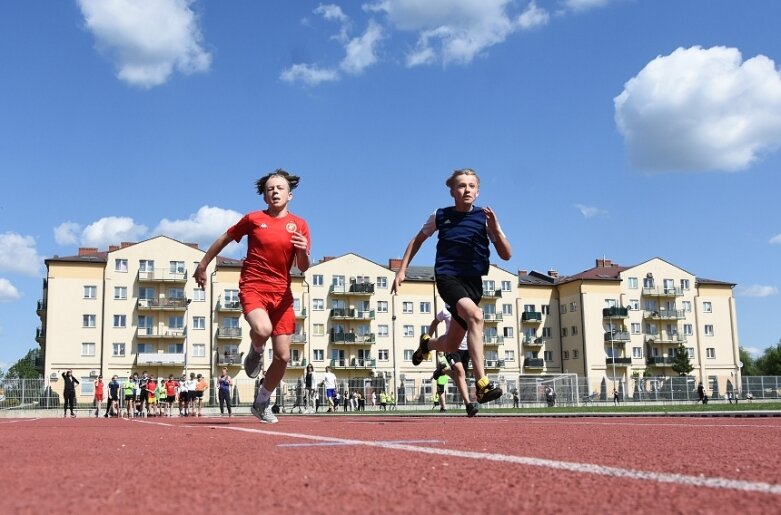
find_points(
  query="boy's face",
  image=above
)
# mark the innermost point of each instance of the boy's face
(465, 190)
(277, 193)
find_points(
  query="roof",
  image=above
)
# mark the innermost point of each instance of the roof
(712, 282)
(609, 273)
(420, 273)
(534, 278)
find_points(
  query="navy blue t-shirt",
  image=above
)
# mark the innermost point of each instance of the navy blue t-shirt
(463, 246)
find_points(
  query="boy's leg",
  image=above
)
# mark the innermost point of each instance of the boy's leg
(260, 331)
(276, 371)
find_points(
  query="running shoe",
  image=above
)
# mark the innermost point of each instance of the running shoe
(489, 392)
(263, 412)
(471, 409)
(422, 351)
(253, 362)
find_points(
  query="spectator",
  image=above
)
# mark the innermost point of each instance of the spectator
(701, 393)
(69, 392)
(192, 382)
(750, 397)
(151, 397)
(329, 382)
(170, 393)
(201, 385)
(112, 406)
(224, 384)
(98, 395)
(616, 399)
(346, 399)
(516, 398)
(299, 396)
(143, 395)
(129, 390)
(162, 397)
(310, 383)
(184, 396)
(374, 400)
(383, 401)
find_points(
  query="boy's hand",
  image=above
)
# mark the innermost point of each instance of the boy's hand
(400, 276)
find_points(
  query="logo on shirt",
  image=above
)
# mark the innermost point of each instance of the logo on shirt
(291, 227)
(446, 222)
(263, 226)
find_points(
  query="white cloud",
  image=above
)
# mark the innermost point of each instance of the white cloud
(755, 352)
(756, 290)
(776, 239)
(361, 51)
(533, 17)
(584, 5)
(112, 230)
(589, 211)
(147, 39)
(18, 254)
(203, 227)
(701, 109)
(310, 75)
(8, 291)
(67, 233)
(333, 12)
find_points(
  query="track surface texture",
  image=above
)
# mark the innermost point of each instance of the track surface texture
(431, 465)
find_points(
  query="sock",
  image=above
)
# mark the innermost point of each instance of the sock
(482, 382)
(263, 395)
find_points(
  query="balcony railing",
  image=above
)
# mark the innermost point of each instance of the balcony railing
(296, 363)
(617, 336)
(164, 275)
(161, 358)
(493, 363)
(531, 317)
(351, 314)
(492, 294)
(298, 338)
(353, 363)
(163, 304)
(353, 289)
(659, 360)
(533, 342)
(618, 361)
(301, 313)
(41, 309)
(231, 305)
(493, 340)
(229, 333)
(230, 358)
(664, 314)
(160, 332)
(663, 292)
(40, 335)
(665, 337)
(352, 338)
(534, 363)
(615, 312)
(492, 317)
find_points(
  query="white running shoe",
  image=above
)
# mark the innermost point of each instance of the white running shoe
(263, 412)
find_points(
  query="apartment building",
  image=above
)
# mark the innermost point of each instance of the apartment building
(136, 307)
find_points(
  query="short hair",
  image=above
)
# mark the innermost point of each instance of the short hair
(292, 180)
(462, 171)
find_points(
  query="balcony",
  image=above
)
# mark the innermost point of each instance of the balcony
(353, 363)
(493, 363)
(41, 309)
(665, 337)
(160, 358)
(663, 292)
(358, 289)
(536, 363)
(229, 333)
(617, 336)
(298, 338)
(492, 294)
(618, 361)
(297, 363)
(664, 314)
(493, 340)
(162, 275)
(301, 314)
(531, 317)
(659, 360)
(492, 318)
(351, 338)
(227, 359)
(351, 314)
(533, 342)
(615, 312)
(162, 304)
(231, 306)
(40, 335)
(165, 333)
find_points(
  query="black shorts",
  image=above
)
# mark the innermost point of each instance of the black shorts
(198, 394)
(191, 395)
(452, 289)
(170, 399)
(129, 397)
(460, 356)
(440, 388)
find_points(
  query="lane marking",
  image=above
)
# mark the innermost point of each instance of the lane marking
(333, 444)
(656, 424)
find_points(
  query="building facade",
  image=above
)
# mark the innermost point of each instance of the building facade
(136, 307)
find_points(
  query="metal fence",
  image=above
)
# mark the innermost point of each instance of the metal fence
(566, 389)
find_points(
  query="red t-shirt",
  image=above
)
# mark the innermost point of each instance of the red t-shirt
(270, 251)
(170, 388)
(151, 387)
(99, 391)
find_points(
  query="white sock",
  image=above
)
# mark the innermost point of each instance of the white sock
(263, 395)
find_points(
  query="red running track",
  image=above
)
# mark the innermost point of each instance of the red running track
(348, 464)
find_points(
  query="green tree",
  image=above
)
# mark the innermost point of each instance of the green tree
(769, 364)
(25, 367)
(681, 364)
(749, 364)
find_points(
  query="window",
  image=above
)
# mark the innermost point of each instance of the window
(406, 307)
(688, 329)
(146, 265)
(318, 304)
(199, 322)
(199, 350)
(637, 352)
(88, 320)
(318, 355)
(230, 322)
(146, 293)
(176, 293)
(574, 330)
(382, 355)
(382, 282)
(408, 354)
(176, 322)
(199, 295)
(548, 355)
(684, 284)
(489, 286)
(120, 292)
(318, 329)
(506, 285)
(546, 332)
(317, 280)
(573, 306)
(565, 354)
(651, 329)
(425, 307)
(145, 348)
(708, 330)
(529, 308)
(175, 348)
(562, 309)
(382, 306)
(509, 355)
(507, 309)
(634, 304)
(337, 283)
(636, 328)
(633, 283)
(563, 332)
(120, 320)
(610, 303)
(691, 352)
(176, 267)
(117, 349)
(423, 330)
(382, 330)
(710, 352)
(120, 265)
(90, 292)
(87, 386)
(707, 307)
(648, 282)
(409, 330)
(545, 309)
(574, 354)
(687, 306)
(88, 349)
(507, 332)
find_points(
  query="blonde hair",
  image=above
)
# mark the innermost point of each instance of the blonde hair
(463, 171)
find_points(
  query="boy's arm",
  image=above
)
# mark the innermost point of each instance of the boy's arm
(412, 249)
(502, 244)
(216, 248)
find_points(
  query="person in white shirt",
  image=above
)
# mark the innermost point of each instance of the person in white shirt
(458, 361)
(329, 381)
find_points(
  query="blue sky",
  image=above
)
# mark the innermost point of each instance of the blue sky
(620, 128)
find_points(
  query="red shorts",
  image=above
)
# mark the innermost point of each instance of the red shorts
(278, 305)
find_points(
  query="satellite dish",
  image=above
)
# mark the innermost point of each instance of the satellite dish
(740, 364)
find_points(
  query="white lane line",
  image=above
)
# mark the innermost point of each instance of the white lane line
(583, 468)
(640, 424)
(332, 444)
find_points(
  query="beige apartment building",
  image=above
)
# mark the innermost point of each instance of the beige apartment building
(136, 307)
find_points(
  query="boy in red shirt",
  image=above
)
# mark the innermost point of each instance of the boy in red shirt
(277, 239)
